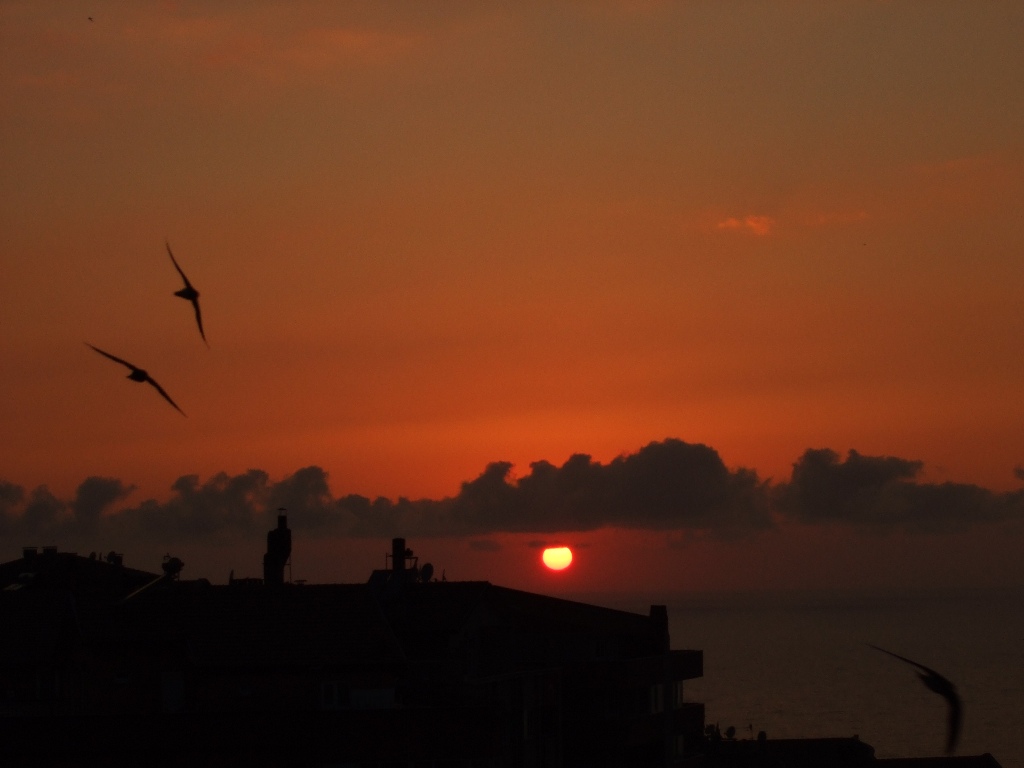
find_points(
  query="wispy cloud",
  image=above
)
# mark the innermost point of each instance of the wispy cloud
(755, 225)
(484, 545)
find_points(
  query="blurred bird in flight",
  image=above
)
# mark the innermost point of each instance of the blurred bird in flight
(137, 374)
(940, 685)
(189, 293)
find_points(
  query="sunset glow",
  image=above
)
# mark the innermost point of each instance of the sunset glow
(687, 283)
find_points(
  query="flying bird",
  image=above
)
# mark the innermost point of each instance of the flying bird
(188, 293)
(940, 685)
(137, 374)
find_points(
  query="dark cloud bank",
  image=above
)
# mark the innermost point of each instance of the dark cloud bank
(669, 485)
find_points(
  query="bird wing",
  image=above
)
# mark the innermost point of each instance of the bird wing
(175, 262)
(913, 663)
(942, 686)
(199, 320)
(953, 729)
(115, 359)
(167, 397)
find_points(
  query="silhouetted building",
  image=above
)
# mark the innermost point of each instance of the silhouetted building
(105, 665)
(402, 669)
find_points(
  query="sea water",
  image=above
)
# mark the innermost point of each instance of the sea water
(799, 665)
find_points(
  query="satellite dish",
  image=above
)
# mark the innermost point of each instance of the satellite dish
(426, 572)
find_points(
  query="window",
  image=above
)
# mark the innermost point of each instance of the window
(657, 698)
(677, 694)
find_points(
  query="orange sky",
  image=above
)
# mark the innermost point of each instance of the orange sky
(429, 237)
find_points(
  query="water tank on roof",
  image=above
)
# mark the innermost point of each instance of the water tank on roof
(172, 566)
(398, 554)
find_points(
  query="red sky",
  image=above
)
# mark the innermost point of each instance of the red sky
(430, 237)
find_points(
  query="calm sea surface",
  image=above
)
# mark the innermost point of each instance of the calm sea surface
(798, 665)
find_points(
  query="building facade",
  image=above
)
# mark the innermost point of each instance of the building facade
(106, 665)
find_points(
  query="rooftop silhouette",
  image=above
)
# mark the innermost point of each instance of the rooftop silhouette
(103, 664)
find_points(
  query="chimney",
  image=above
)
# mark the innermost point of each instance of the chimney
(398, 555)
(49, 551)
(279, 549)
(29, 553)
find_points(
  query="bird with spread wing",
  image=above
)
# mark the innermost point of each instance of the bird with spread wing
(137, 374)
(189, 293)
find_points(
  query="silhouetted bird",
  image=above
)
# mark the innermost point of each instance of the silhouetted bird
(138, 374)
(189, 294)
(940, 685)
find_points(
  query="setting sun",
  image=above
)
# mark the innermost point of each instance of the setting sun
(557, 558)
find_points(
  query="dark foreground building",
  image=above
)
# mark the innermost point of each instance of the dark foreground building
(104, 665)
